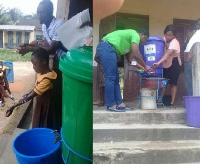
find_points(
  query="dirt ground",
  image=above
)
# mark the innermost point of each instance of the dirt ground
(24, 78)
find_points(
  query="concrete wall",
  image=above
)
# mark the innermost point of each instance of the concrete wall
(62, 9)
(23, 36)
(161, 13)
(5, 36)
(31, 36)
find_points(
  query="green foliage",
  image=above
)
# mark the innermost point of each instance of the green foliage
(12, 55)
(13, 16)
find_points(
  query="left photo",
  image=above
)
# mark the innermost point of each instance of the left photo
(46, 79)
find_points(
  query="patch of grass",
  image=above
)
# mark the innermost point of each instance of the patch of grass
(12, 55)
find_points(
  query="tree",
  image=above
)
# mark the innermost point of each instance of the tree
(13, 16)
(4, 17)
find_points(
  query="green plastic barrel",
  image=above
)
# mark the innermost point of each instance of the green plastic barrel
(76, 67)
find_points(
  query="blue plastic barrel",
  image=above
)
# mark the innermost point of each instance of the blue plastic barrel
(9, 73)
(152, 51)
(37, 146)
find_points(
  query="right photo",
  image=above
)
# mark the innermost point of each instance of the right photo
(146, 82)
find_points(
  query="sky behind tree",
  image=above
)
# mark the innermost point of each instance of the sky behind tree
(27, 7)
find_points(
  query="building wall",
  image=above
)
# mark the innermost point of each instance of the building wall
(5, 36)
(62, 9)
(32, 37)
(38, 32)
(162, 13)
(23, 36)
(14, 36)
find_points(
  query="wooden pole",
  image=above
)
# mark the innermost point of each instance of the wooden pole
(196, 69)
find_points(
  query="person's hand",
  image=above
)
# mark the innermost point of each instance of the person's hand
(23, 49)
(86, 24)
(43, 43)
(10, 111)
(155, 65)
(148, 69)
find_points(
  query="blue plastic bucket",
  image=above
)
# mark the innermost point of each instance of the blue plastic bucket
(152, 51)
(192, 104)
(37, 146)
(9, 73)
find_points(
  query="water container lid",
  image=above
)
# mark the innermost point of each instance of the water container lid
(155, 38)
(78, 64)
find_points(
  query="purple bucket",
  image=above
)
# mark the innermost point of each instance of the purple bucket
(152, 51)
(192, 104)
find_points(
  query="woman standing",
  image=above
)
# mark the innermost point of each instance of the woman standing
(171, 61)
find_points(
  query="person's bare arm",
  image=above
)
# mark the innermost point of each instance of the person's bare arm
(135, 54)
(51, 49)
(165, 57)
(23, 100)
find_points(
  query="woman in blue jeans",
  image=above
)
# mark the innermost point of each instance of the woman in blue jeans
(119, 42)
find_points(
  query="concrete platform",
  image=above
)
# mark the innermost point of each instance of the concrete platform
(160, 116)
(144, 137)
(147, 152)
(143, 132)
(8, 156)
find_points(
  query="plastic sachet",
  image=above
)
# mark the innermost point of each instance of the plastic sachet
(70, 33)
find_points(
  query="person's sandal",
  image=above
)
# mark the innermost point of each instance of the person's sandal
(126, 107)
(117, 109)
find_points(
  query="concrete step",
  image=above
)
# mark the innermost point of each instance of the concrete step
(8, 156)
(160, 116)
(147, 152)
(143, 132)
(4, 139)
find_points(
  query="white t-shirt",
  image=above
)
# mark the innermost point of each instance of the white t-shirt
(195, 38)
(50, 33)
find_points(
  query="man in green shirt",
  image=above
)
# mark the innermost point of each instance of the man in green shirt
(119, 42)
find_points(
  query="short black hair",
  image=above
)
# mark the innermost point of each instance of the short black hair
(170, 28)
(143, 31)
(41, 54)
(48, 6)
